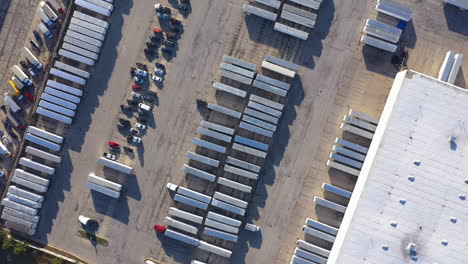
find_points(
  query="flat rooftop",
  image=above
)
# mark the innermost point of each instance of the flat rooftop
(413, 185)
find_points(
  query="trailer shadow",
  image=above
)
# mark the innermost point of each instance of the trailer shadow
(456, 19)
(378, 61)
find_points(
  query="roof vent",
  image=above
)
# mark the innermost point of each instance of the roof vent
(453, 219)
(385, 247)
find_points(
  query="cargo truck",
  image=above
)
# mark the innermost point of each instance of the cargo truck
(45, 19)
(31, 58)
(45, 31)
(49, 12)
(15, 90)
(11, 103)
(20, 75)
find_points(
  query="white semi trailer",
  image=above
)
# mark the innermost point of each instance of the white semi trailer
(36, 166)
(115, 165)
(20, 75)
(31, 58)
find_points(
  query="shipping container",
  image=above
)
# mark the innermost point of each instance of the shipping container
(72, 69)
(26, 194)
(42, 142)
(62, 95)
(36, 166)
(84, 38)
(88, 25)
(45, 134)
(28, 184)
(95, 8)
(115, 165)
(58, 101)
(22, 208)
(64, 88)
(91, 19)
(103, 190)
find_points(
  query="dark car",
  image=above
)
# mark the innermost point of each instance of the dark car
(175, 29)
(160, 66)
(38, 38)
(169, 43)
(124, 121)
(24, 65)
(34, 45)
(152, 45)
(182, 8)
(154, 39)
(171, 35)
(150, 52)
(6, 124)
(132, 102)
(142, 66)
(167, 51)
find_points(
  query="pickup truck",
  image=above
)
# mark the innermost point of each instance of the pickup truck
(109, 156)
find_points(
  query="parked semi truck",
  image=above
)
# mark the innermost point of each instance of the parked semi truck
(31, 58)
(15, 90)
(21, 75)
(11, 103)
(45, 19)
(49, 12)
(45, 31)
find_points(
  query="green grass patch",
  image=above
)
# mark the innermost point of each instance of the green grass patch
(101, 241)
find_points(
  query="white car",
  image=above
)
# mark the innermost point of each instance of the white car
(6, 140)
(134, 131)
(157, 79)
(141, 72)
(136, 140)
(136, 95)
(140, 126)
(158, 71)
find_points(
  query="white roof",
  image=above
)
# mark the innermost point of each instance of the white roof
(420, 116)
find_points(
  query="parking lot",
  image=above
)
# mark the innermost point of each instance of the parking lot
(337, 74)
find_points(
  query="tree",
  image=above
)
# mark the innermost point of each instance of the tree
(56, 260)
(3, 235)
(20, 248)
(8, 243)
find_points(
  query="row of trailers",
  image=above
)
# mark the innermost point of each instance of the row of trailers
(58, 101)
(78, 54)
(383, 36)
(293, 17)
(240, 149)
(31, 180)
(347, 157)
